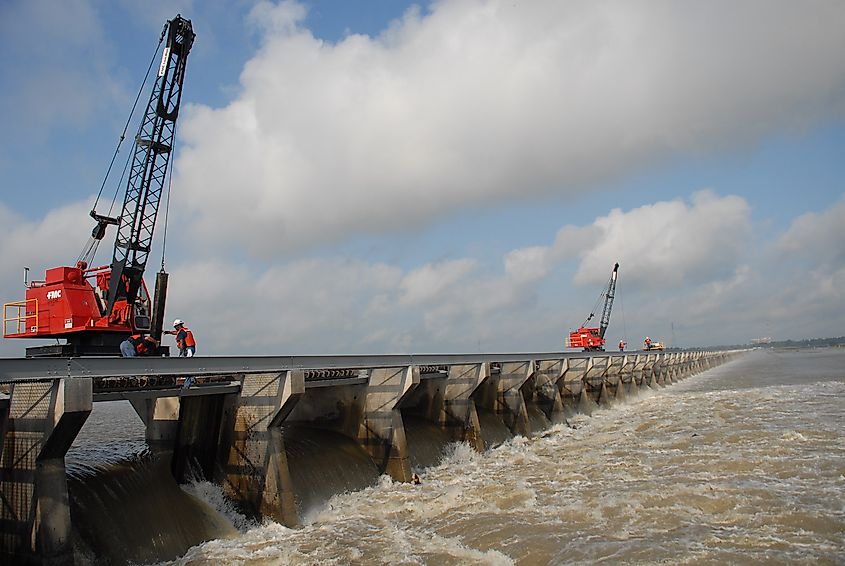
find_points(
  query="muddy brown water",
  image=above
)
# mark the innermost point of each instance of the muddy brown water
(742, 464)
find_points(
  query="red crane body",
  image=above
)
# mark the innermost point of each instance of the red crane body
(71, 300)
(586, 338)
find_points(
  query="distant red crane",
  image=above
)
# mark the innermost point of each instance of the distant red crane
(590, 338)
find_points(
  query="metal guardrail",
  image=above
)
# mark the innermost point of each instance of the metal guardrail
(19, 319)
(18, 369)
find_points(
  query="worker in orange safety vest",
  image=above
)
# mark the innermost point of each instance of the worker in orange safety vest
(184, 339)
(621, 345)
(138, 345)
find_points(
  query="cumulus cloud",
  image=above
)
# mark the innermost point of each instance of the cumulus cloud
(324, 305)
(428, 283)
(306, 306)
(697, 273)
(670, 243)
(810, 259)
(528, 264)
(660, 245)
(820, 235)
(41, 243)
(342, 306)
(477, 102)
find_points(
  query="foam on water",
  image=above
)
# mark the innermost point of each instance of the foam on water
(213, 495)
(736, 465)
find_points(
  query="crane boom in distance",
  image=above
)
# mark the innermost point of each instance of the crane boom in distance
(592, 338)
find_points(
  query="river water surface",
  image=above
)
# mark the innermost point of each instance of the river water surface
(742, 464)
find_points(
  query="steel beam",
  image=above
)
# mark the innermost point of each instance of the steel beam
(22, 369)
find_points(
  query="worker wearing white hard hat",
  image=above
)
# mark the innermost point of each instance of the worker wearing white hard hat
(184, 339)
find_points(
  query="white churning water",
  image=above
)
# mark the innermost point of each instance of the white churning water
(742, 464)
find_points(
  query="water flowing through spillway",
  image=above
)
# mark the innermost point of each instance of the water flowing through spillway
(493, 430)
(125, 505)
(742, 464)
(323, 463)
(132, 511)
(427, 442)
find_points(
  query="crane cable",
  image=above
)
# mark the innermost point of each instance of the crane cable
(131, 113)
(91, 246)
(594, 309)
(624, 327)
(167, 198)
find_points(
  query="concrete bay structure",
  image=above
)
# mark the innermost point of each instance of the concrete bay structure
(229, 425)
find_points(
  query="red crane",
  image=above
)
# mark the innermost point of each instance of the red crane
(94, 309)
(592, 339)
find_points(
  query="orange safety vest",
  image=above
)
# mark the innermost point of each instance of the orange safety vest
(142, 345)
(188, 341)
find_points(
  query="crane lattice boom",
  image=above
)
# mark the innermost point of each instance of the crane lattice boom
(593, 338)
(153, 146)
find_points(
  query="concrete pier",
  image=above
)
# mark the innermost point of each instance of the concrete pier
(41, 421)
(542, 389)
(381, 431)
(572, 388)
(253, 466)
(503, 395)
(458, 414)
(229, 426)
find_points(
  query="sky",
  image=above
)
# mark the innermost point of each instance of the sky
(386, 176)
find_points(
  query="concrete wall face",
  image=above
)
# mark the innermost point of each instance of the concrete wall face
(428, 399)
(627, 384)
(335, 407)
(160, 417)
(571, 386)
(651, 370)
(613, 378)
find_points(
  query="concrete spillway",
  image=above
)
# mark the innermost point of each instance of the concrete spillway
(234, 423)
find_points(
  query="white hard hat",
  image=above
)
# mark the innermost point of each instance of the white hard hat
(178, 322)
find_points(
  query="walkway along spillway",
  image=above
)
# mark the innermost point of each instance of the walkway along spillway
(229, 423)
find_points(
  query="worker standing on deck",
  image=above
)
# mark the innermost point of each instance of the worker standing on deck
(647, 343)
(621, 345)
(138, 345)
(184, 339)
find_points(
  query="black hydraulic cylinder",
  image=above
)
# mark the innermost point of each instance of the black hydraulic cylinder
(159, 300)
